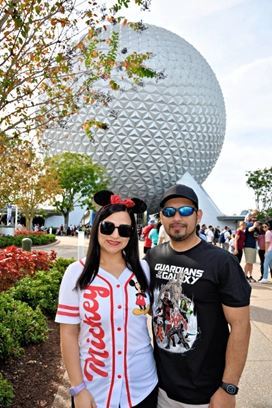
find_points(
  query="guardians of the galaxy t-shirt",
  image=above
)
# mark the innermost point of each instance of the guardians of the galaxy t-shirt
(189, 327)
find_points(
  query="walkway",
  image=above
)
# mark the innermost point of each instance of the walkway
(255, 387)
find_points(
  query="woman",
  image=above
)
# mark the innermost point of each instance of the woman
(268, 250)
(109, 358)
(154, 234)
(240, 238)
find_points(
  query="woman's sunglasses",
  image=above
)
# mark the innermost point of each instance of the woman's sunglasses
(124, 230)
(183, 211)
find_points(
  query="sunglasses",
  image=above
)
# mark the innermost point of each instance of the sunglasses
(124, 230)
(183, 211)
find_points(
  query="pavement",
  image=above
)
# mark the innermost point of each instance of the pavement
(255, 388)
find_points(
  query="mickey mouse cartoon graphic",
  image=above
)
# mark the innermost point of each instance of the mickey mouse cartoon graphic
(140, 299)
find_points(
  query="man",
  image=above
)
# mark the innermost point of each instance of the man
(226, 236)
(250, 246)
(199, 360)
(216, 235)
(209, 234)
(203, 229)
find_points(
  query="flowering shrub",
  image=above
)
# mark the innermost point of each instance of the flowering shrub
(26, 233)
(15, 264)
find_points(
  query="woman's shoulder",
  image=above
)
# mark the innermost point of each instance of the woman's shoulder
(76, 267)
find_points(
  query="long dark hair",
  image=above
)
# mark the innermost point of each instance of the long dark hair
(130, 253)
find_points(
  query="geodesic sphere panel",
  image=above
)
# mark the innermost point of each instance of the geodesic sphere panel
(159, 131)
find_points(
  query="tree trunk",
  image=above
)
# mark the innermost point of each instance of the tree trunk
(66, 218)
(28, 223)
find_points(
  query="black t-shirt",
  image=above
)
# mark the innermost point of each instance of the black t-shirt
(189, 327)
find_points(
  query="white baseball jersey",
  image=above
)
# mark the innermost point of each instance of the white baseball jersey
(115, 351)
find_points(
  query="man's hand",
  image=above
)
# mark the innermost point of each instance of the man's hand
(221, 399)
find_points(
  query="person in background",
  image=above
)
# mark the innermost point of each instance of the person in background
(200, 233)
(209, 234)
(267, 226)
(232, 243)
(163, 237)
(261, 247)
(216, 235)
(240, 240)
(139, 231)
(145, 232)
(201, 320)
(203, 229)
(103, 304)
(250, 247)
(226, 233)
(154, 234)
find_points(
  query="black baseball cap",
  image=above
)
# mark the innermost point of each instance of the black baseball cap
(179, 190)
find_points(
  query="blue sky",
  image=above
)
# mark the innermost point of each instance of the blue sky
(235, 37)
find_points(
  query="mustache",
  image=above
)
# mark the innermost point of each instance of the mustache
(181, 224)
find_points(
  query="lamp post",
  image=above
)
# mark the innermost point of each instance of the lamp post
(80, 249)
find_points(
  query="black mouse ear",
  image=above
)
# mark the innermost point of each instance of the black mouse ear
(139, 207)
(103, 197)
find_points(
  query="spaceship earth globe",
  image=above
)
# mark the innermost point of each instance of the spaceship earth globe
(158, 132)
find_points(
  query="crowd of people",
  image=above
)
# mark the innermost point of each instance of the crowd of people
(196, 292)
(72, 230)
(250, 238)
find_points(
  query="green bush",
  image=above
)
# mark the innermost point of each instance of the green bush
(20, 325)
(6, 393)
(43, 288)
(43, 239)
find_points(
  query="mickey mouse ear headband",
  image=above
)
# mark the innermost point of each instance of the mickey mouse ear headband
(105, 197)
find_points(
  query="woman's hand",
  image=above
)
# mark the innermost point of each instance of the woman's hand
(84, 400)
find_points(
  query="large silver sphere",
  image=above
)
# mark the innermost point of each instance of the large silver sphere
(163, 129)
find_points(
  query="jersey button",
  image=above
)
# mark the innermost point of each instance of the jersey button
(119, 376)
(118, 286)
(119, 352)
(119, 328)
(119, 306)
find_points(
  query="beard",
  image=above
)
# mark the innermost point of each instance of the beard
(178, 237)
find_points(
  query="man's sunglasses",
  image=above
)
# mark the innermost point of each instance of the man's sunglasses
(124, 230)
(183, 211)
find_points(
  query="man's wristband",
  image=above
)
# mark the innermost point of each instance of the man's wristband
(229, 388)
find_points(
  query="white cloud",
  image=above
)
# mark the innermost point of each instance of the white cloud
(227, 182)
(248, 95)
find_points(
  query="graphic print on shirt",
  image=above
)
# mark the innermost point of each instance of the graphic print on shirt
(140, 299)
(174, 317)
(96, 363)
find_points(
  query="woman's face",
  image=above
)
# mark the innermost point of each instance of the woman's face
(114, 243)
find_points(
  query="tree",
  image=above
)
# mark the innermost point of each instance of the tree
(261, 182)
(79, 179)
(26, 180)
(50, 59)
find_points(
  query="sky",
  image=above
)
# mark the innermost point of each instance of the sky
(235, 37)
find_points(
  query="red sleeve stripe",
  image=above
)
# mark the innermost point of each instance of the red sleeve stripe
(60, 306)
(59, 313)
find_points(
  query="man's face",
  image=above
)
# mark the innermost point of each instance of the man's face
(180, 228)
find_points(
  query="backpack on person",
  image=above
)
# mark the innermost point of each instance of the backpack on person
(222, 238)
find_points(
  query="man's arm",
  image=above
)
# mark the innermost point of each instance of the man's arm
(236, 353)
